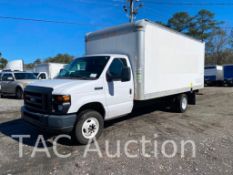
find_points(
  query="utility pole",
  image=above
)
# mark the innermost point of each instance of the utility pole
(131, 9)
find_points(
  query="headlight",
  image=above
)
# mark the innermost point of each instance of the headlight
(61, 103)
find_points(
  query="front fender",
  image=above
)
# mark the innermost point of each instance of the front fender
(79, 100)
(20, 86)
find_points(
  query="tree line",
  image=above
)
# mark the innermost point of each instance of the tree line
(59, 58)
(3, 62)
(204, 27)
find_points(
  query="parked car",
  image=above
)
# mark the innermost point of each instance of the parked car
(13, 83)
(123, 64)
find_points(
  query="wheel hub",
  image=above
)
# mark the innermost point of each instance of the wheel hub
(90, 128)
(184, 103)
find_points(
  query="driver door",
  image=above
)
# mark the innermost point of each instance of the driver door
(119, 95)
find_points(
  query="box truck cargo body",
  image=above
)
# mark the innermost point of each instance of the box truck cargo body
(50, 69)
(213, 74)
(16, 65)
(123, 65)
(228, 74)
(164, 62)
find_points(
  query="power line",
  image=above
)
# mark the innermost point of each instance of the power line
(47, 21)
(66, 22)
(191, 3)
(164, 3)
(109, 3)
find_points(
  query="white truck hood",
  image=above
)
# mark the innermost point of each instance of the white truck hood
(67, 86)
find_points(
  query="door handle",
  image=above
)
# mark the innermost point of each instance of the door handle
(130, 91)
(99, 88)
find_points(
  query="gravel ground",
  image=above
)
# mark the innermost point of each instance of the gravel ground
(209, 125)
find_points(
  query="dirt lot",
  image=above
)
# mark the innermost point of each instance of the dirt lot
(209, 124)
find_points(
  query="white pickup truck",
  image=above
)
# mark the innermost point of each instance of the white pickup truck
(123, 64)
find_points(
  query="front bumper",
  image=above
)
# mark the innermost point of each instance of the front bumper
(49, 123)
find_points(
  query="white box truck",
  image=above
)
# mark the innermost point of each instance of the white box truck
(15, 65)
(213, 75)
(123, 64)
(48, 70)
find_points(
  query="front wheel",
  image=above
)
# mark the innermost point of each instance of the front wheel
(88, 126)
(19, 93)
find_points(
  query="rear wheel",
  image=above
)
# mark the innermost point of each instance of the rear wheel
(19, 93)
(88, 126)
(181, 103)
(230, 84)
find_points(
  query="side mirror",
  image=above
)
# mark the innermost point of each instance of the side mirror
(10, 79)
(125, 74)
(61, 70)
(109, 77)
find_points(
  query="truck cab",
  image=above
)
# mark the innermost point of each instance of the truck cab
(41, 75)
(90, 90)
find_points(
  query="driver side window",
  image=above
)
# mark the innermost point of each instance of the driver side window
(42, 76)
(116, 68)
(6, 76)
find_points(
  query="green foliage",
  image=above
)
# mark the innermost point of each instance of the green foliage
(3, 61)
(37, 61)
(60, 58)
(180, 22)
(203, 26)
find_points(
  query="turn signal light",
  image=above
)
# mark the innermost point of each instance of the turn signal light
(62, 98)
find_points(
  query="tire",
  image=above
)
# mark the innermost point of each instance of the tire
(19, 93)
(192, 98)
(88, 126)
(181, 103)
(230, 84)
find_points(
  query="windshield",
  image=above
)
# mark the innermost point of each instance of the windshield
(25, 76)
(84, 68)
